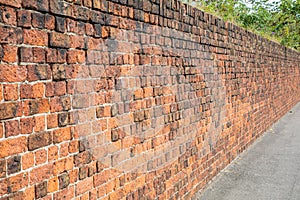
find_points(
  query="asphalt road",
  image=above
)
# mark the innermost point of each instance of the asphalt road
(268, 170)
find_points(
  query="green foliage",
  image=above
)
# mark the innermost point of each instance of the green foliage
(276, 20)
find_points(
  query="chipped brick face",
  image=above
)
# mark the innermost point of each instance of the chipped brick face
(130, 99)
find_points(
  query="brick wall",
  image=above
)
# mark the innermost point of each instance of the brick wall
(112, 99)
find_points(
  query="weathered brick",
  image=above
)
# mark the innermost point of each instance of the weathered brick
(14, 3)
(35, 106)
(49, 22)
(35, 37)
(84, 186)
(60, 24)
(59, 40)
(24, 18)
(12, 73)
(39, 174)
(82, 158)
(41, 190)
(13, 165)
(10, 35)
(38, 20)
(38, 72)
(26, 125)
(56, 88)
(67, 193)
(58, 72)
(10, 110)
(26, 54)
(40, 5)
(63, 165)
(60, 104)
(52, 153)
(39, 55)
(64, 180)
(11, 92)
(17, 182)
(63, 119)
(103, 111)
(75, 56)
(10, 53)
(2, 168)
(12, 128)
(39, 140)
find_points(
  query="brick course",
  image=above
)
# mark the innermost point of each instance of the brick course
(130, 99)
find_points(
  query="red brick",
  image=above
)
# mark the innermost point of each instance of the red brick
(63, 150)
(26, 91)
(65, 194)
(40, 156)
(35, 37)
(103, 111)
(56, 89)
(36, 106)
(73, 146)
(2, 168)
(38, 20)
(29, 194)
(40, 174)
(11, 92)
(24, 18)
(10, 53)
(62, 134)
(77, 41)
(38, 72)
(60, 104)
(62, 165)
(27, 160)
(3, 187)
(1, 130)
(59, 72)
(26, 125)
(41, 190)
(13, 146)
(1, 92)
(12, 128)
(12, 73)
(40, 123)
(10, 110)
(38, 90)
(52, 153)
(84, 185)
(75, 56)
(61, 55)
(52, 121)
(49, 22)
(11, 35)
(39, 140)
(36, 5)
(51, 55)
(9, 16)
(13, 165)
(14, 3)
(39, 55)
(26, 54)
(17, 182)
(53, 185)
(59, 40)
